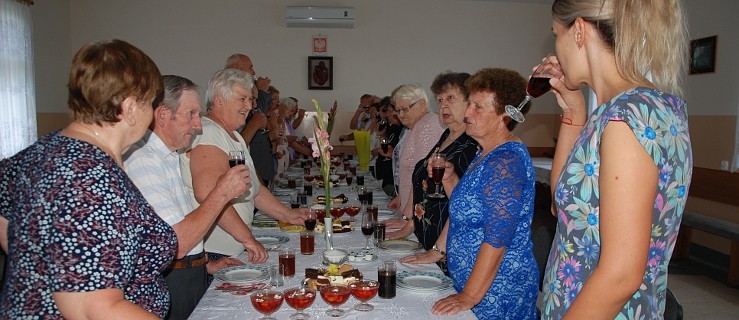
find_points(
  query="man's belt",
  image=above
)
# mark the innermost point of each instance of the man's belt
(190, 261)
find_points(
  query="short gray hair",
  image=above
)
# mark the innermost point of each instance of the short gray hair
(413, 91)
(221, 85)
(173, 88)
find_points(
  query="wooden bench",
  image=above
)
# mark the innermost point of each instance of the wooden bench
(714, 226)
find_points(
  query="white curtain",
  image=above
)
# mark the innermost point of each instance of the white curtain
(17, 93)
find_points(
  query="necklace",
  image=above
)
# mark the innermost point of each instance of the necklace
(94, 139)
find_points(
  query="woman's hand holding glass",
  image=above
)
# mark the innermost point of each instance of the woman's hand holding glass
(448, 176)
(572, 101)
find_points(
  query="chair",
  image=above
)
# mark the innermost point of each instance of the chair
(673, 308)
(542, 239)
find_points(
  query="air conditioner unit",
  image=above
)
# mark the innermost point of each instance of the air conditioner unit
(320, 17)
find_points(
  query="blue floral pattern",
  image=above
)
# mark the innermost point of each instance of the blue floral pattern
(494, 203)
(659, 122)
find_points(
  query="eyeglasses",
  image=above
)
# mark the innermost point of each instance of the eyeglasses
(408, 108)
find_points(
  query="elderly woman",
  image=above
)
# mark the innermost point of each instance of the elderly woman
(422, 131)
(490, 209)
(67, 205)
(229, 100)
(621, 177)
(430, 213)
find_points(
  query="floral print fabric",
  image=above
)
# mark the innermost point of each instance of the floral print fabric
(430, 214)
(659, 122)
(77, 223)
(494, 203)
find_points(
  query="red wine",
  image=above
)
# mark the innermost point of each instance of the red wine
(384, 147)
(235, 162)
(538, 86)
(437, 173)
(368, 230)
(310, 224)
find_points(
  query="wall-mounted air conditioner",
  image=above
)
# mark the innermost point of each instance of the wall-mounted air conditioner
(320, 17)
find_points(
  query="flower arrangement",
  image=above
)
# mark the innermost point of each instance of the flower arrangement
(321, 146)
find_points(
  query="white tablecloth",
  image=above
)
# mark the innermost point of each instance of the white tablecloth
(543, 169)
(406, 305)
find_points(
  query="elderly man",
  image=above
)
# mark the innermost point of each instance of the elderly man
(154, 166)
(256, 130)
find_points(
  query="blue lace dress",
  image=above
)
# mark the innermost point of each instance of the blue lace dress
(659, 122)
(494, 203)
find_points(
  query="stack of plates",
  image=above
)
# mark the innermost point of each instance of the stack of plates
(423, 281)
(243, 274)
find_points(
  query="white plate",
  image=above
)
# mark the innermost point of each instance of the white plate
(401, 246)
(243, 274)
(423, 281)
(271, 240)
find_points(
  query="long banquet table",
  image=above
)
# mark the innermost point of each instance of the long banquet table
(406, 305)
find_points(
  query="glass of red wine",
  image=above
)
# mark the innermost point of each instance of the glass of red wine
(438, 162)
(364, 291)
(368, 228)
(300, 299)
(537, 86)
(310, 221)
(267, 302)
(236, 158)
(335, 296)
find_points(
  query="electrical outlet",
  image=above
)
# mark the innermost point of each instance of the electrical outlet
(725, 165)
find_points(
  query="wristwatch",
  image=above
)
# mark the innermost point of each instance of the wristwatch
(435, 248)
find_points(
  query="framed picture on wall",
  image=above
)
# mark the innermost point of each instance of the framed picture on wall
(320, 73)
(703, 55)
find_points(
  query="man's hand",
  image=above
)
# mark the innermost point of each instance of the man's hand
(234, 182)
(225, 262)
(255, 250)
(263, 83)
(259, 120)
(297, 216)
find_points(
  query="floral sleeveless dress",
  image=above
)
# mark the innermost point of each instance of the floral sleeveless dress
(659, 122)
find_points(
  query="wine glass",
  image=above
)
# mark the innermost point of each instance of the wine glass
(236, 158)
(335, 296)
(385, 144)
(438, 161)
(368, 228)
(364, 291)
(267, 302)
(300, 299)
(352, 211)
(537, 86)
(310, 221)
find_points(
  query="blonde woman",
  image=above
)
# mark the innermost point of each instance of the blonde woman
(621, 175)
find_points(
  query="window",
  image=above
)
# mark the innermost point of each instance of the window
(17, 92)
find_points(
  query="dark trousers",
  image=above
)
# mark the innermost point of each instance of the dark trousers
(186, 287)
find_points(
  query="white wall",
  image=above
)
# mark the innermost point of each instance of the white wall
(715, 93)
(393, 42)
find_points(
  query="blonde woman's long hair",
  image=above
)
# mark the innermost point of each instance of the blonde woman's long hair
(647, 37)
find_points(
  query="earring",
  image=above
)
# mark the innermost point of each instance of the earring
(578, 39)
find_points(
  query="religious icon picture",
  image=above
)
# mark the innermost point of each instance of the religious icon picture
(320, 73)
